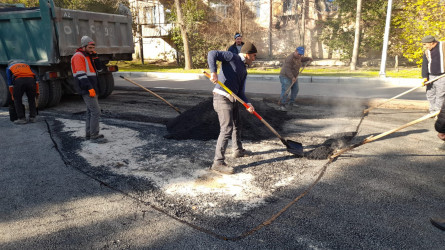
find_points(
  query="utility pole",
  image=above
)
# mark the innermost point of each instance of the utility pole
(270, 30)
(385, 40)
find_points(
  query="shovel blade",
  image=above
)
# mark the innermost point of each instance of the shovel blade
(295, 148)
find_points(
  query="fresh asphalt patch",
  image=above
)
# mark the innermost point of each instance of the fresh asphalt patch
(174, 176)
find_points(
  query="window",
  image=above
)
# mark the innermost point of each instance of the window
(254, 6)
(150, 14)
(220, 8)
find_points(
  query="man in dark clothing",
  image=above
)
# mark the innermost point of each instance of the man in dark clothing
(433, 65)
(440, 128)
(22, 80)
(440, 124)
(233, 74)
(236, 47)
(289, 74)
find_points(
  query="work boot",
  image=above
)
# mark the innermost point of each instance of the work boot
(98, 139)
(242, 153)
(32, 119)
(20, 121)
(438, 222)
(293, 106)
(283, 108)
(222, 167)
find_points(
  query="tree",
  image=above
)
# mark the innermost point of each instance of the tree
(183, 28)
(104, 6)
(414, 20)
(338, 31)
(357, 36)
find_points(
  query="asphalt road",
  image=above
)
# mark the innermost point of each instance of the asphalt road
(379, 195)
(270, 84)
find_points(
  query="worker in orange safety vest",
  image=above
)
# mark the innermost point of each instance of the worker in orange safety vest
(22, 80)
(84, 71)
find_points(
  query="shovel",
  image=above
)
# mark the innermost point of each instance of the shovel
(292, 147)
(151, 92)
(404, 93)
(373, 138)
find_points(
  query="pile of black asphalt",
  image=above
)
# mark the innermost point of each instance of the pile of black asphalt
(201, 122)
(334, 142)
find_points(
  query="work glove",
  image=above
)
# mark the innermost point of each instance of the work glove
(11, 90)
(37, 89)
(92, 93)
(424, 81)
(251, 109)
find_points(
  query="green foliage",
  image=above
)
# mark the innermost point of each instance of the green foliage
(28, 3)
(414, 20)
(338, 31)
(104, 6)
(201, 37)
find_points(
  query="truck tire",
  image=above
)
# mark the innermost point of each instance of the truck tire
(55, 93)
(5, 97)
(44, 94)
(106, 84)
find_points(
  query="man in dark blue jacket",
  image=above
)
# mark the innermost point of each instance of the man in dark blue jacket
(237, 45)
(233, 74)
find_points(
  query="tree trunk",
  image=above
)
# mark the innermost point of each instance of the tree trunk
(357, 36)
(185, 40)
(303, 23)
(240, 16)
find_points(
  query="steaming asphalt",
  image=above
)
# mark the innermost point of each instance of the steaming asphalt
(379, 195)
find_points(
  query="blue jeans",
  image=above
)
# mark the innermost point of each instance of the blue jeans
(229, 123)
(285, 83)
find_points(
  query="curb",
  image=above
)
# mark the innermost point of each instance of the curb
(306, 79)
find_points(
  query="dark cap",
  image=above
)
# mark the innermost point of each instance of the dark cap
(238, 35)
(428, 39)
(248, 48)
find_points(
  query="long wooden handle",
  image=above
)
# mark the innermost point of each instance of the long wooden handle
(373, 138)
(404, 93)
(151, 92)
(247, 107)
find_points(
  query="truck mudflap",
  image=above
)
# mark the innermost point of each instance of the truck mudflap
(5, 97)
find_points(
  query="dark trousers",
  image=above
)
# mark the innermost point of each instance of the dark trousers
(25, 85)
(229, 123)
(93, 115)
